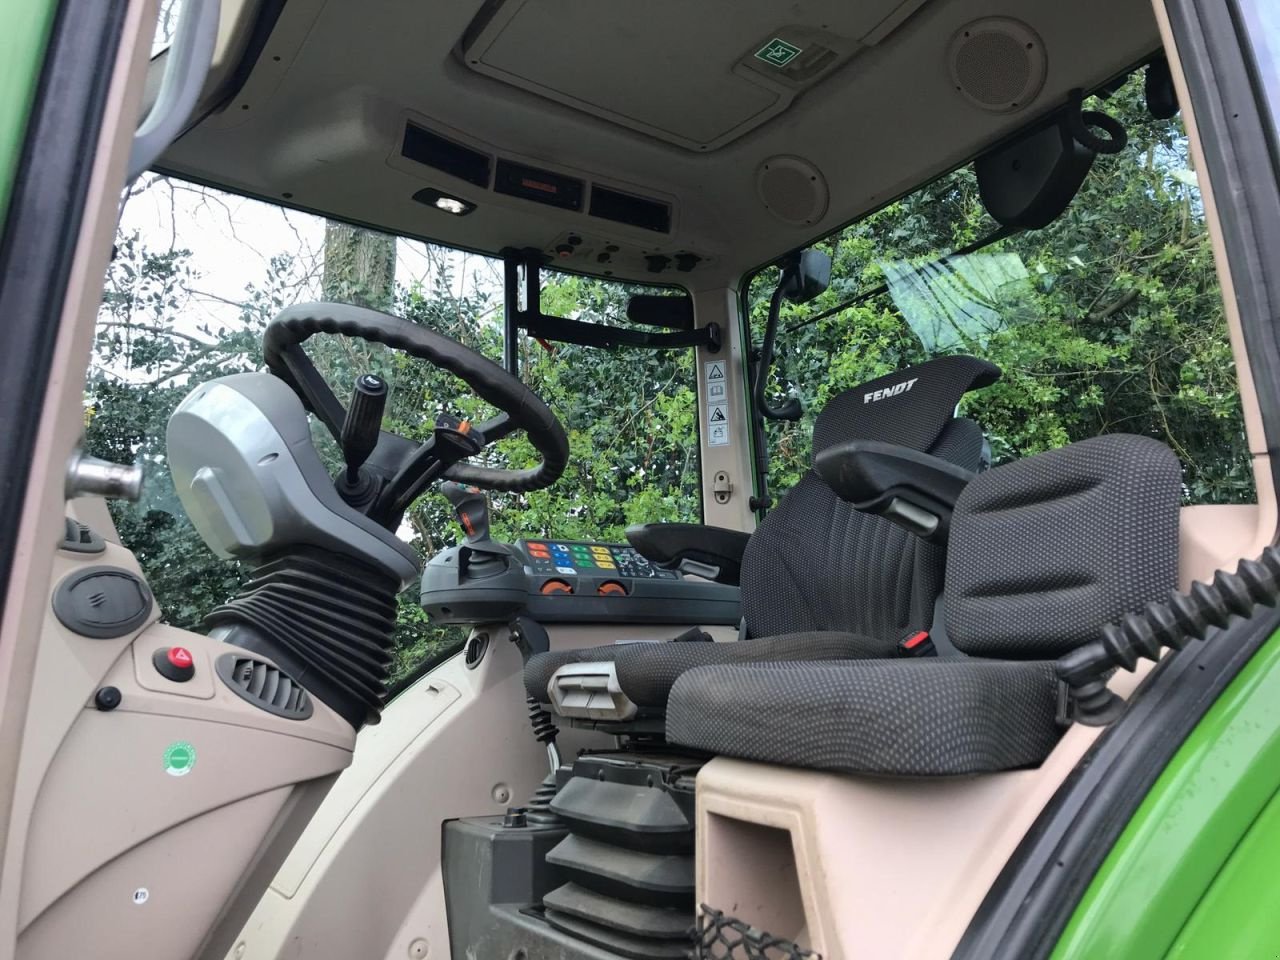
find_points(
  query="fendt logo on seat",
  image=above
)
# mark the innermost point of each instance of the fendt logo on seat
(893, 391)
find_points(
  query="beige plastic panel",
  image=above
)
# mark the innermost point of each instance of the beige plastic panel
(108, 789)
(93, 793)
(885, 868)
(158, 899)
(364, 880)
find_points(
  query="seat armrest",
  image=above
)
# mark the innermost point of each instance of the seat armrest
(913, 489)
(711, 552)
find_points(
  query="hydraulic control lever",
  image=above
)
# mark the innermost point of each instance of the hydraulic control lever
(471, 507)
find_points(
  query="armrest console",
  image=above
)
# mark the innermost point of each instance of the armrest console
(913, 489)
(711, 552)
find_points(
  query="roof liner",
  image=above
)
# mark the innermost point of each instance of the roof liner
(320, 121)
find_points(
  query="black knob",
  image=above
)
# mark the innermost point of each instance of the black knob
(364, 421)
(107, 698)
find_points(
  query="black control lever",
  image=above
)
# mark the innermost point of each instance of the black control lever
(363, 423)
(471, 507)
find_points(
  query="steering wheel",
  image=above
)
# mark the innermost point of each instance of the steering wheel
(414, 464)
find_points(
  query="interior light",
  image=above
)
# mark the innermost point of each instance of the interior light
(454, 206)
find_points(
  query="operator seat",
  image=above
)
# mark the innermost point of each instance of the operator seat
(820, 580)
(1044, 552)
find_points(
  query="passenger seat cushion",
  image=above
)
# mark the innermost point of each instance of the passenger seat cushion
(929, 717)
(1046, 551)
(647, 671)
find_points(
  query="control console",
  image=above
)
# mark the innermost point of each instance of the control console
(570, 558)
(566, 581)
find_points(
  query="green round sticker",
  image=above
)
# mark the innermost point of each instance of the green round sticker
(179, 758)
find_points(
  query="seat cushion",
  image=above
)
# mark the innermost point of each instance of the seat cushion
(647, 671)
(926, 717)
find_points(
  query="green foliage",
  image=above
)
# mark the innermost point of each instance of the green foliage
(1110, 319)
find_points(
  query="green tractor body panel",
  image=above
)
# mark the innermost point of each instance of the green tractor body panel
(1208, 825)
(24, 34)
(1240, 915)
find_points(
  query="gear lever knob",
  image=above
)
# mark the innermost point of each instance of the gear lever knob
(471, 507)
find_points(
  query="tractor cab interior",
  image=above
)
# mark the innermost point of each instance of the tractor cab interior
(833, 702)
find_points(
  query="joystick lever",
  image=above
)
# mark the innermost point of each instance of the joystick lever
(471, 507)
(363, 423)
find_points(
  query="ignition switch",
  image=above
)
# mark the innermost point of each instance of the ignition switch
(722, 486)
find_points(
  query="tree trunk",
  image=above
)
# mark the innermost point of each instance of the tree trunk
(359, 266)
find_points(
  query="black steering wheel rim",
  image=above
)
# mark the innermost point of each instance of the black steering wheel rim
(520, 406)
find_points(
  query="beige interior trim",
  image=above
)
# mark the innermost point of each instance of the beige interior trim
(62, 421)
(455, 744)
(734, 458)
(884, 868)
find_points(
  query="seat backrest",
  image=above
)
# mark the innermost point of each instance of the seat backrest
(1046, 551)
(816, 563)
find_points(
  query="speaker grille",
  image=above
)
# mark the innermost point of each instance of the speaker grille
(998, 64)
(793, 189)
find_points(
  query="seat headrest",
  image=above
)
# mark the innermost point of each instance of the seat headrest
(1046, 551)
(908, 407)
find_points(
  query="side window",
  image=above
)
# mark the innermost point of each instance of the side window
(198, 274)
(1109, 320)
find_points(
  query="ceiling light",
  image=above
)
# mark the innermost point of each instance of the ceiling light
(454, 206)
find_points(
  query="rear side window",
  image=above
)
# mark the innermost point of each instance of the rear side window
(1109, 320)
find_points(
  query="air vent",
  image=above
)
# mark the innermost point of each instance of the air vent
(634, 211)
(432, 150)
(266, 687)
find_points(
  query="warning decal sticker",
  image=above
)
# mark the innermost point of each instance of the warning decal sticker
(713, 373)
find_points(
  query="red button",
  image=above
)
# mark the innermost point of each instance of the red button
(180, 657)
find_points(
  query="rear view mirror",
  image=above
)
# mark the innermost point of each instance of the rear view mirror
(810, 276)
(656, 310)
(1027, 184)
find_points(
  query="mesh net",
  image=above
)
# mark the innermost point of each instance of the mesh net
(722, 937)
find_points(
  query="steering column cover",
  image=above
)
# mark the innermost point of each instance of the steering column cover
(253, 485)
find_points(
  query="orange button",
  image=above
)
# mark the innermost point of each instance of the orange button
(555, 586)
(611, 588)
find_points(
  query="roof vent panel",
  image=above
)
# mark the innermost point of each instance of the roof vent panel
(665, 67)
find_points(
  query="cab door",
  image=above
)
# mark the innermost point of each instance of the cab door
(72, 76)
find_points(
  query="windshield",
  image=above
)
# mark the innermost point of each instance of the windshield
(1109, 320)
(198, 273)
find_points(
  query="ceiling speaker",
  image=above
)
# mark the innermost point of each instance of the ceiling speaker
(793, 189)
(997, 63)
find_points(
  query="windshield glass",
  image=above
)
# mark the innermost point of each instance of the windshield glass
(1109, 320)
(197, 275)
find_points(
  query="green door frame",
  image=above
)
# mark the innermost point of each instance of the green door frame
(24, 36)
(1188, 827)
